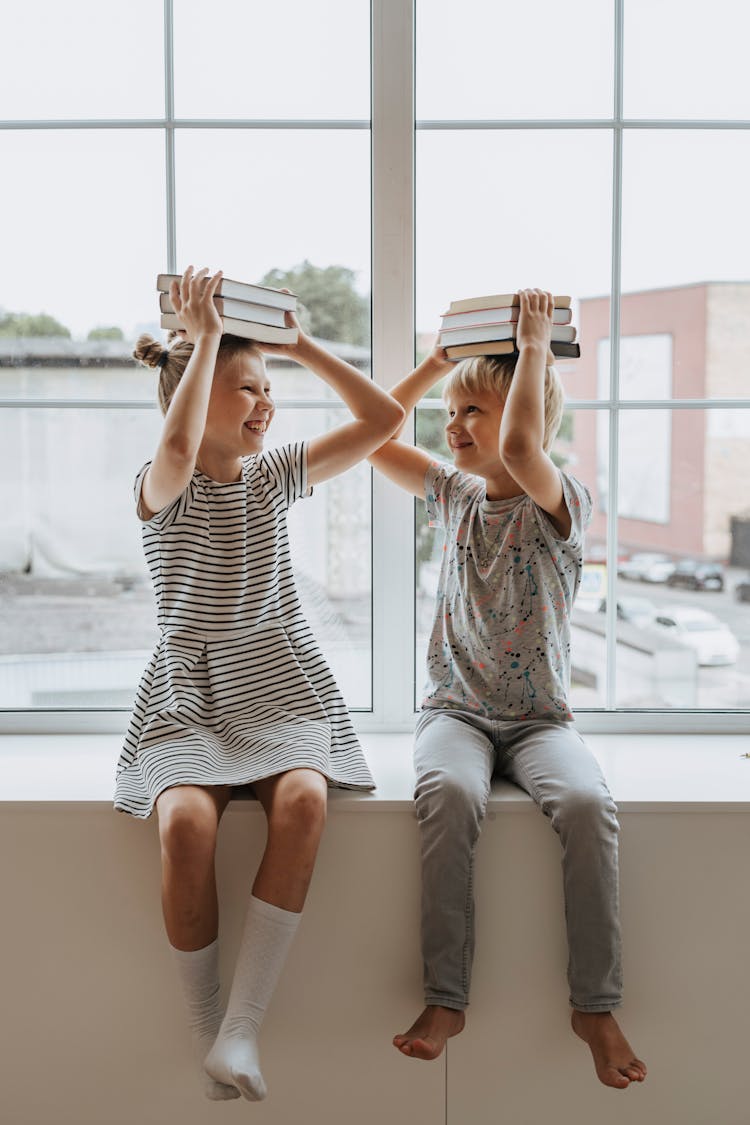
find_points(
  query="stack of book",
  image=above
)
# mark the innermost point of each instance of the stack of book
(254, 312)
(488, 326)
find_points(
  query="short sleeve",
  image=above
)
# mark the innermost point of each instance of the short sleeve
(439, 483)
(286, 469)
(579, 504)
(177, 508)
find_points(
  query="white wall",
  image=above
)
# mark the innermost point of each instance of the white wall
(92, 1027)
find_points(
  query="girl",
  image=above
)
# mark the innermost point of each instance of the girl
(237, 690)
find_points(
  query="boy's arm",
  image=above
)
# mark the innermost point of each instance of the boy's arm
(398, 460)
(376, 415)
(522, 427)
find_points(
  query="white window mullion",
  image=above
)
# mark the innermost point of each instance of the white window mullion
(169, 134)
(614, 368)
(393, 353)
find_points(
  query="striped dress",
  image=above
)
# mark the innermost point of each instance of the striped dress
(237, 689)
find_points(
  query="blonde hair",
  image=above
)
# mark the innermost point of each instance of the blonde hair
(488, 373)
(173, 359)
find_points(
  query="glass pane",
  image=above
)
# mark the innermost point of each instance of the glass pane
(514, 222)
(84, 237)
(294, 59)
(684, 557)
(490, 61)
(82, 59)
(77, 613)
(318, 228)
(574, 451)
(686, 244)
(686, 61)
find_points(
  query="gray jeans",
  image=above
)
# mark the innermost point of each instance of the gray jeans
(455, 755)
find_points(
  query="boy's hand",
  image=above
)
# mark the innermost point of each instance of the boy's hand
(439, 358)
(535, 321)
(193, 302)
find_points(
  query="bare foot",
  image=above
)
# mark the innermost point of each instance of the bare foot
(614, 1058)
(426, 1037)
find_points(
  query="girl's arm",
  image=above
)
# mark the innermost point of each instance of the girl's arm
(400, 461)
(185, 420)
(521, 445)
(376, 415)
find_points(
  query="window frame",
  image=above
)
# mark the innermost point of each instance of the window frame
(393, 137)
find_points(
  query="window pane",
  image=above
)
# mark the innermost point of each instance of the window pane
(491, 61)
(87, 235)
(684, 543)
(498, 211)
(294, 59)
(684, 61)
(83, 59)
(77, 614)
(572, 451)
(276, 221)
(685, 248)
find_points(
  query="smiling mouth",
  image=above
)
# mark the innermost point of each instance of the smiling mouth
(461, 444)
(256, 427)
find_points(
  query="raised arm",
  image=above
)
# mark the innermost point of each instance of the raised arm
(185, 420)
(400, 461)
(376, 415)
(521, 445)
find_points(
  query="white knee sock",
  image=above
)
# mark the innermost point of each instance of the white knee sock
(233, 1059)
(198, 971)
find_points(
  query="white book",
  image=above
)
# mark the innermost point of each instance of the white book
(263, 333)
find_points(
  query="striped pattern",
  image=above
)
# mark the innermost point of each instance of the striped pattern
(237, 689)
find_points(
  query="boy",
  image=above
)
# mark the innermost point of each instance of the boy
(497, 679)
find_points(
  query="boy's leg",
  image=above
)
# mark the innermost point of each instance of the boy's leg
(552, 763)
(453, 760)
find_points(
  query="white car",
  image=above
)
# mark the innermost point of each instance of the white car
(646, 567)
(710, 639)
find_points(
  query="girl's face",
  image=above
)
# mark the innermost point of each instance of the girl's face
(240, 408)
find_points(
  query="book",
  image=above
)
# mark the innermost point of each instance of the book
(497, 301)
(240, 290)
(249, 330)
(239, 310)
(507, 315)
(482, 332)
(508, 347)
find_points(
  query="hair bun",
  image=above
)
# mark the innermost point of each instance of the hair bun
(148, 351)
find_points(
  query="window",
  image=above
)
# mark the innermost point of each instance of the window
(263, 137)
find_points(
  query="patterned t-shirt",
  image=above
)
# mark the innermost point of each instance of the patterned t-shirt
(500, 642)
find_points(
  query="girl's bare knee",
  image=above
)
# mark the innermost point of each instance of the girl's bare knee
(188, 823)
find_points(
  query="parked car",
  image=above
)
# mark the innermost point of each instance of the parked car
(637, 611)
(646, 566)
(711, 639)
(742, 590)
(695, 575)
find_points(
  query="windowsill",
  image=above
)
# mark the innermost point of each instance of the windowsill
(645, 772)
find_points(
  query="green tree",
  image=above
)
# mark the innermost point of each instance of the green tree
(335, 310)
(27, 324)
(106, 334)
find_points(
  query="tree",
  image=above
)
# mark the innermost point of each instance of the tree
(27, 324)
(106, 334)
(335, 310)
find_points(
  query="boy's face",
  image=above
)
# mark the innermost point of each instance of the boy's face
(473, 431)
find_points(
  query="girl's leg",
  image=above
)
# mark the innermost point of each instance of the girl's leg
(295, 805)
(188, 821)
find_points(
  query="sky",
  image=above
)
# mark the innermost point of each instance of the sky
(83, 232)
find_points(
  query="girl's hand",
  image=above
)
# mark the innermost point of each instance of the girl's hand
(193, 302)
(291, 321)
(535, 320)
